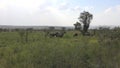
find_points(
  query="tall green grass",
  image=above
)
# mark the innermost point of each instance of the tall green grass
(67, 52)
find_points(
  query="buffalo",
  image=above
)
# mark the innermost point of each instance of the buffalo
(56, 34)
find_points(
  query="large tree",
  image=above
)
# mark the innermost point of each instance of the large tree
(85, 17)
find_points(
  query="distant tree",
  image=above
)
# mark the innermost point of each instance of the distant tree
(85, 17)
(51, 28)
(77, 26)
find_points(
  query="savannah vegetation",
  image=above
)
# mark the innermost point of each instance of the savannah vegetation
(33, 49)
(79, 48)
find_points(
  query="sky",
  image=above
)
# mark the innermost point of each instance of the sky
(58, 12)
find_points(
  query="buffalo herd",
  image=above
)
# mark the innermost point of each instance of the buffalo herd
(59, 34)
(55, 34)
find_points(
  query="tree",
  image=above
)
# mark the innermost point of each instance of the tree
(77, 26)
(85, 17)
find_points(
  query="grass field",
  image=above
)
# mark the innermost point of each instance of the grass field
(99, 51)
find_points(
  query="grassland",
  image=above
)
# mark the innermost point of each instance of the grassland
(99, 51)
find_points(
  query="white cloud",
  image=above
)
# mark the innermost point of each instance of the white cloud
(34, 12)
(3, 4)
(77, 8)
(88, 8)
(51, 12)
(109, 17)
(64, 6)
(108, 10)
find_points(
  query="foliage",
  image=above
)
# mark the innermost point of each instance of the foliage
(77, 26)
(85, 17)
(99, 51)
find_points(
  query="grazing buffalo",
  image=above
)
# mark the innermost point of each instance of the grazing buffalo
(56, 34)
(52, 34)
(60, 34)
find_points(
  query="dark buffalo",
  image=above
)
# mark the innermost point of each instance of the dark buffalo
(56, 34)
(60, 34)
(53, 34)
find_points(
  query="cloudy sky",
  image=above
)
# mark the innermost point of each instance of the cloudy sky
(58, 12)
